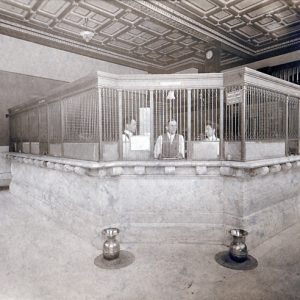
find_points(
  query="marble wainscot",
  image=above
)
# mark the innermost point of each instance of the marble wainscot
(170, 201)
(5, 174)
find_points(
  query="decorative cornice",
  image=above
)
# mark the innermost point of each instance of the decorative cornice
(167, 168)
(186, 24)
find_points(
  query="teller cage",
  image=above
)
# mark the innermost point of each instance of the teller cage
(237, 115)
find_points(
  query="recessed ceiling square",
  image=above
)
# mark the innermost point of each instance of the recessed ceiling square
(134, 31)
(181, 53)
(157, 44)
(106, 6)
(54, 7)
(81, 11)
(221, 15)
(153, 27)
(28, 3)
(234, 22)
(203, 5)
(175, 36)
(99, 18)
(249, 31)
(130, 17)
(73, 18)
(264, 9)
(146, 36)
(247, 4)
(292, 19)
(68, 27)
(273, 26)
(170, 49)
(12, 9)
(265, 21)
(138, 41)
(41, 18)
(121, 45)
(113, 28)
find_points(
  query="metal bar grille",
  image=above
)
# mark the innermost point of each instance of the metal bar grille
(80, 115)
(54, 126)
(24, 126)
(293, 127)
(265, 114)
(33, 116)
(136, 106)
(232, 113)
(205, 112)
(166, 110)
(110, 121)
(43, 124)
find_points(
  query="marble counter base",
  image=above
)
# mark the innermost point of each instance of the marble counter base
(150, 203)
(5, 174)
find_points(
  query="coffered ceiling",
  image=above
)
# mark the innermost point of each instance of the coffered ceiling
(158, 36)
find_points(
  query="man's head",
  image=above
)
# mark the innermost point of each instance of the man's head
(209, 131)
(131, 126)
(172, 127)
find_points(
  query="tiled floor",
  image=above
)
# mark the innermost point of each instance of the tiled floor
(38, 260)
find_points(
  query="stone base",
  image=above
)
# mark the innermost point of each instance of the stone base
(172, 201)
(5, 173)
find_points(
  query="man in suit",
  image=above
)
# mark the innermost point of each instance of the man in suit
(129, 131)
(170, 144)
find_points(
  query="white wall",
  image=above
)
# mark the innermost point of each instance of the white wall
(28, 58)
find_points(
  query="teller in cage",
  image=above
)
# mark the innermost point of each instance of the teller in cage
(170, 144)
(130, 129)
(210, 134)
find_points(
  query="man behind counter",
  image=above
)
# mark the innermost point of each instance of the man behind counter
(170, 144)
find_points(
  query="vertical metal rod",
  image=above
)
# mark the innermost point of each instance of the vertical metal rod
(205, 109)
(48, 129)
(151, 123)
(180, 113)
(226, 116)
(184, 111)
(194, 116)
(287, 126)
(164, 102)
(100, 121)
(231, 123)
(243, 110)
(216, 113)
(189, 123)
(62, 127)
(201, 111)
(221, 125)
(120, 125)
(298, 102)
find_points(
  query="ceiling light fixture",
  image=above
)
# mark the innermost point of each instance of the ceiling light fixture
(87, 35)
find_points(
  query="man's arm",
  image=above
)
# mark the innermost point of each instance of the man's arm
(181, 146)
(158, 147)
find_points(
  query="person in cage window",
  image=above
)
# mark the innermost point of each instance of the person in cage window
(170, 144)
(129, 131)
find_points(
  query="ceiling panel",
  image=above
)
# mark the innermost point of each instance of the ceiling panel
(158, 36)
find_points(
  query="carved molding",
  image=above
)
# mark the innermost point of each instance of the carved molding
(176, 168)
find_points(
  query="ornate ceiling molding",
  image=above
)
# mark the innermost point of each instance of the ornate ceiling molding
(158, 36)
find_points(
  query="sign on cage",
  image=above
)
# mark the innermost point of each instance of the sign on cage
(233, 97)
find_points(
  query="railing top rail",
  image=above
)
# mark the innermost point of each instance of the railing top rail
(239, 76)
(247, 76)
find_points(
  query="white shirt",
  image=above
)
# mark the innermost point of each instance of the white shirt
(126, 137)
(158, 145)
